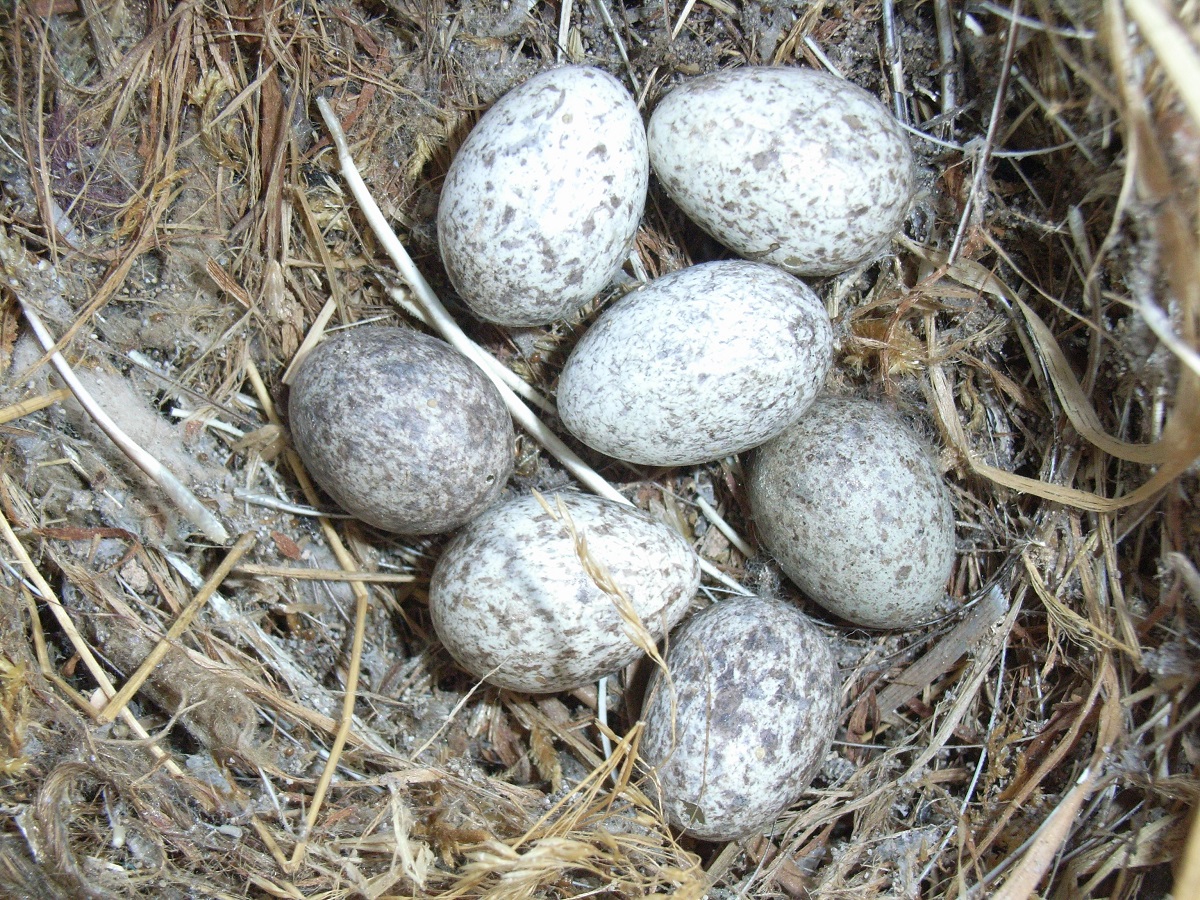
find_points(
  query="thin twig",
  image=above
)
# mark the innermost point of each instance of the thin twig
(294, 509)
(512, 379)
(824, 60)
(361, 603)
(724, 527)
(997, 694)
(1161, 326)
(1035, 24)
(134, 683)
(895, 61)
(944, 19)
(602, 716)
(18, 270)
(683, 17)
(602, 7)
(300, 573)
(996, 154)
(974, 204)
(81, 646)
(188, 503)
(1052, 113)
(564, 29)
(482, 682)
(142, 362)
(25, 407)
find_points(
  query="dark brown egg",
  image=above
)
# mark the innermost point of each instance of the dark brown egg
(402, 430)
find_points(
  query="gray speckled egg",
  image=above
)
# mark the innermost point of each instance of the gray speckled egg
(511, 601)
(704, 362)
(789, 166)
(542, 201)
(401, 429)
(851, 505)
(756, 701)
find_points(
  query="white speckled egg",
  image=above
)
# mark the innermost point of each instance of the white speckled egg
(401, 429)
(756, 702)
(512, 603)
(542, 201)
(851, 505)
(789, 166)
(704, 362)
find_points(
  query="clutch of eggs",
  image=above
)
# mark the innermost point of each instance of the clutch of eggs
(542, 201)
(793, 167)
(518, 598)
(699, 364)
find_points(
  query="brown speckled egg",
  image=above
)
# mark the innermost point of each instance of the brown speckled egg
(402, 430)
(793, 167)
(542, 201)
(699, 364)
(851, 505)
(512, 603)
(756, 701)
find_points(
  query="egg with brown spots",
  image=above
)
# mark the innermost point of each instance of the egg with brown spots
(402, 430)
(517, 597)
(849, 502)
(699, 364)
(755, 701)
(789, 166)
(542, 201)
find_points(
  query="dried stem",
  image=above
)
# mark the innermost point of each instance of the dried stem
(13, 263)
(81, 646)
(1175, 51)
(117, 702)
(361, 603)
(895, 61)
(945, 31)
(25, 407)
(974, 205)
(188, 503)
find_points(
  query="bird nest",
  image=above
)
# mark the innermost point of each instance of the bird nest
(223, 692)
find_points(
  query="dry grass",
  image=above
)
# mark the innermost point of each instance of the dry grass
(301, 734)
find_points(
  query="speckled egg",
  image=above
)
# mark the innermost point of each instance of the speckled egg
(851, 505)
(788, 166)
(704, 362)
(512, 603)
(542, 201)
(756, 701)
(401, 429)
